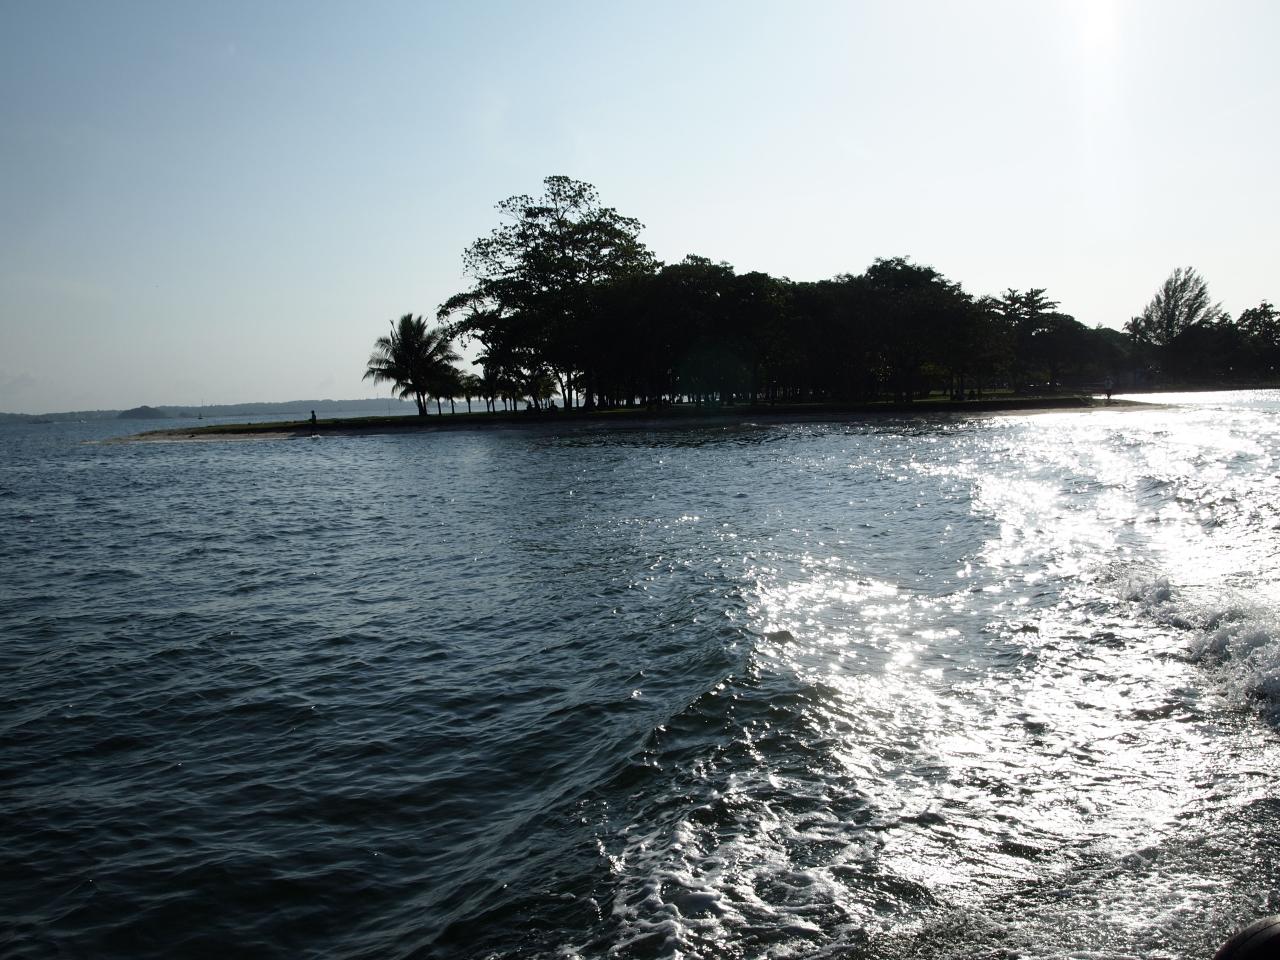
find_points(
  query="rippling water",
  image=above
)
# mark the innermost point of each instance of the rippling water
(954, 687)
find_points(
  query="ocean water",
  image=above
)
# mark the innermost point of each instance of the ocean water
(992, 686)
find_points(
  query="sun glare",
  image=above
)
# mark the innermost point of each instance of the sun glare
(1097, 27)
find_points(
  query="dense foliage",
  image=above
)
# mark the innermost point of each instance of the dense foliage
(567, 301)
(419, 361)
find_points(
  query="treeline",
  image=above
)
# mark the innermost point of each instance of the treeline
(568, 302)
(1181, 335)
(698, 331)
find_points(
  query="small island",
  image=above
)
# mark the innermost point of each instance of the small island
(571, 317)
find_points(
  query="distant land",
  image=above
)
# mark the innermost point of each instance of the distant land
(301, 408)
(142, 413)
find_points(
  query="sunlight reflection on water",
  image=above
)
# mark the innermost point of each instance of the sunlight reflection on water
(950, 687)
(1032, 718)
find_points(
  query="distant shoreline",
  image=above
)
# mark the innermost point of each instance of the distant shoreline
(626, 418)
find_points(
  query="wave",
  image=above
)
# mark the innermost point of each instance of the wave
(1237, 638)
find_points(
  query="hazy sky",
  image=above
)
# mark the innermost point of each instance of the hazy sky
(228, 201)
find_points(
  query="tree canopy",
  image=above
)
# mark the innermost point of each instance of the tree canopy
(566, 300)
(417, 361)
(537, 277)
(1181, 302)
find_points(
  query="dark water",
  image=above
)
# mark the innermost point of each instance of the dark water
(1002, 686)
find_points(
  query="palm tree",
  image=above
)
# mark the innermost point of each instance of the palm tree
(496, 377)
(416, 360)
(472, 386)
(446, 383)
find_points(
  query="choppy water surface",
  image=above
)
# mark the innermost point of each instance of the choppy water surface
(993, 686)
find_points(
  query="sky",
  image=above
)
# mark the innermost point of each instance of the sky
(227, 202)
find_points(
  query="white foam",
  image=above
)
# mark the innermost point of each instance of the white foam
(1237, 638)
(1244, 647)
(1149, 593)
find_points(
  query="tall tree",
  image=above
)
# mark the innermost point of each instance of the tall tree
(1181, 302)
(416, 360)
(536, 276)
(1027, 316)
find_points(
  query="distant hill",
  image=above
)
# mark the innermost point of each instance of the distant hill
(303, 408)
(69, 415)
(142, 413)
(285, 408)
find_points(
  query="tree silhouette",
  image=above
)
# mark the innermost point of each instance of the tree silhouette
(565, 296)
(1181, 302)
(471, 386)
(535, 279)
(1260, 327)
(418, 361)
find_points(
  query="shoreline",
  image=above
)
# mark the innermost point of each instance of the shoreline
(633, 418)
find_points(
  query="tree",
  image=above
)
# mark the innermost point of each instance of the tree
(565, 295)
(1207, 352)
(417, 360)
(690, 318)
(536, 276)
(1026, 307)
(912, 306)
(1260, 326)
(495, 379)
(1028, 317)
(1247, 348)
(1181, 302)
(472, 386)
(446, 383)
(975, 345)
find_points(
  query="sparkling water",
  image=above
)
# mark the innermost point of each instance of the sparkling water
(948, 686)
